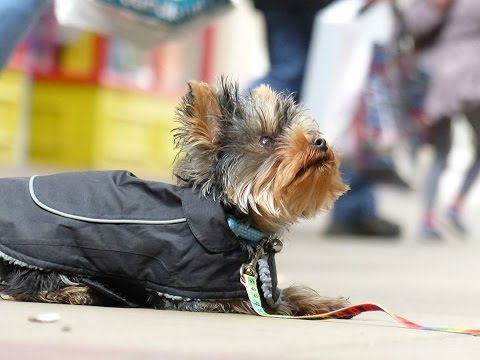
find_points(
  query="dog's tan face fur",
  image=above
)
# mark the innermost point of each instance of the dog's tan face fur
(256, 153)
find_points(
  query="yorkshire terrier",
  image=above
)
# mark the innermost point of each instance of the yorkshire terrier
(248, 167)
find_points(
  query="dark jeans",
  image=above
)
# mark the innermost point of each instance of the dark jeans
(359, 203)
(288, 41)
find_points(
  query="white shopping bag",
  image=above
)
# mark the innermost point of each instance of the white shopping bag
(339, 60)
(134, 23)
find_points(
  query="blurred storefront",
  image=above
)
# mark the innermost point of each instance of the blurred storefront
(78, 100)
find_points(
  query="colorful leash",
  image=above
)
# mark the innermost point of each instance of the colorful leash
(250, 284)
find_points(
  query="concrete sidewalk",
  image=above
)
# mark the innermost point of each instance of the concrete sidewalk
(432, 284)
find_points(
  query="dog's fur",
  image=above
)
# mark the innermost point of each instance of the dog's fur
(260, 155)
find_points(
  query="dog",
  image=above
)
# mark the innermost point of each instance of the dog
(249, 166)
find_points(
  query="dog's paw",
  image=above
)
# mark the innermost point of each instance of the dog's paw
(301, 300)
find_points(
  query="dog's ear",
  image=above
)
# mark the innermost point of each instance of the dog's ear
(197, 136)
(199, 113)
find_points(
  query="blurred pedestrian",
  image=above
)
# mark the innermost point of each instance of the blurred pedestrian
(374, 131)
(452, 60)
(288, 29)
(289, 25)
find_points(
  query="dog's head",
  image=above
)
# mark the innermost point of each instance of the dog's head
(260, 153)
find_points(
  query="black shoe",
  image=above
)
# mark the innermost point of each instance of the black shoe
(376, 227)
(386, 176)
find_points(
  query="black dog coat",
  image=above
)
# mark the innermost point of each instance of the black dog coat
(112, 229)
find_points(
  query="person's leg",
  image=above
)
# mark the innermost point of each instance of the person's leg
(358, 204)
(454, 212)
(288, 39)
(17, 16)
(355, 213)
(440, 137)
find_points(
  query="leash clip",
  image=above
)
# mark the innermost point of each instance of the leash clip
(250, 268)
(266, 246)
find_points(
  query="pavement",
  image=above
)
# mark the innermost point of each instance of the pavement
(431, 283)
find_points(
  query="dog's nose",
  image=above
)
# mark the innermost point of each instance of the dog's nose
(320, 144)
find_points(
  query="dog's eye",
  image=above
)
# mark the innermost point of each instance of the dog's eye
(266, 141)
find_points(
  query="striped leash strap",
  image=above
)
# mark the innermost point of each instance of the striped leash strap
(250, 284)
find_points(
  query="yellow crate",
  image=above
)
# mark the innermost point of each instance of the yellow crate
(135, 132)
(91, 127)
(10, 95)
(63, 124)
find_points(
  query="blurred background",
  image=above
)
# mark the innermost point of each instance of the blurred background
(75, 99)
